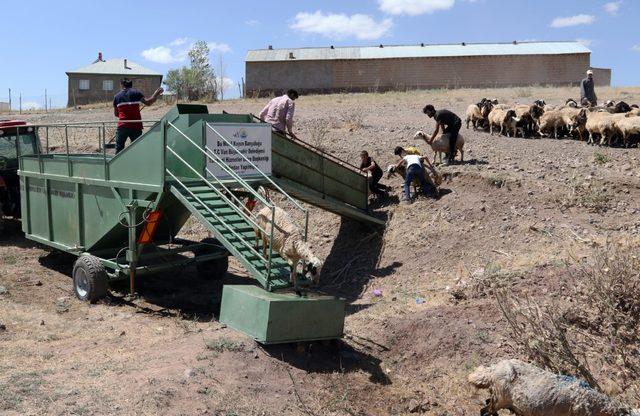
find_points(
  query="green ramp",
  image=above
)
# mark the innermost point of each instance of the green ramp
(321, 179)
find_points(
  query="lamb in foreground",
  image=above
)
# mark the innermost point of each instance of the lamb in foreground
(527, 390)
(289, 242)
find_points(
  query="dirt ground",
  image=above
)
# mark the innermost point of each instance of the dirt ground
(526, 209)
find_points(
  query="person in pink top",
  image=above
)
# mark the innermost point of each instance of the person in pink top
(279, 112)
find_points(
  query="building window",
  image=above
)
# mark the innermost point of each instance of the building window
(84, 84)
(107, 85)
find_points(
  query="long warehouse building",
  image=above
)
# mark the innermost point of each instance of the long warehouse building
(422, 66)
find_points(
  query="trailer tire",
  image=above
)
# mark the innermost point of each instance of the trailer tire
(212, 269)
(90, 280)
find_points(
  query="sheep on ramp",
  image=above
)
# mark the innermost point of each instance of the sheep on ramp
(288, 241)
(527, 390)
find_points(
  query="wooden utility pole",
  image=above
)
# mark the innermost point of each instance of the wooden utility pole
(46, 110)
(9, 99)
(20, 102)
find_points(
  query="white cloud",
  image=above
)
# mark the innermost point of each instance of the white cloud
(414, 7)
(220, 47)
(179, 42)
(612, 7)
(252, 22)
(31, 105)
(636, 48)
(340, 26)
(178, 51)
(585, 42)
(225, 82)
(160, 54)
(580, 19)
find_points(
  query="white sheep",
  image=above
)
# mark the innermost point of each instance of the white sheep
(604, 124)
(628, 126)
(440, 144)
(288, 241)
(504, 118)
(474, 114)
(527, 390)
(551, 120)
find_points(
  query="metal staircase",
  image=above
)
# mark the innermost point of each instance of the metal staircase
(216, 205)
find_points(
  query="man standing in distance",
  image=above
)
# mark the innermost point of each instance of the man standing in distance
(126, 106)
(451, 124)
(279, 112)
(587, 91)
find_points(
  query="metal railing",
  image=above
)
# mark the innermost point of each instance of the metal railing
(99, 126)
(230, 203)
(288, 197)
(316, 149)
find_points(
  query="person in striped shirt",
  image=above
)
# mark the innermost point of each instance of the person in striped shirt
(126, 106)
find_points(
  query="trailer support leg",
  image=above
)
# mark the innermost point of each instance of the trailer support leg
(132, 253)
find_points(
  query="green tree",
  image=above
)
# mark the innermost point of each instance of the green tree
(196, 82)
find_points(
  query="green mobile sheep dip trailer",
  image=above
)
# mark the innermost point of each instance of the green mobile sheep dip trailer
(121, 214)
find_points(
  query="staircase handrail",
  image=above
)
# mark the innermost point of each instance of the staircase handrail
(241, 212)
(304, 211)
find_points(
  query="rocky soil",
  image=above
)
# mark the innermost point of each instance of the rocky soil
(519, 210)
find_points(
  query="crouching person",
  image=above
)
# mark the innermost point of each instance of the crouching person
(367, 164)
(414, 170)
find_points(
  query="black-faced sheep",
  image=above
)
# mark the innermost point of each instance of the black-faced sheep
(540, 103)
(527, 390)
(571, 103)
(288, 241)
(504, 118)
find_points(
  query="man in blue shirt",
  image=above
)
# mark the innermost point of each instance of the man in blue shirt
(126, 106)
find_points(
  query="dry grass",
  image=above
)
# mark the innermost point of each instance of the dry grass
(318, 130)
(595, 196)
(593, 331)
(353, 120)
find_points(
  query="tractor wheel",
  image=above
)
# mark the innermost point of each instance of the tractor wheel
(89, 279)
(212, 269)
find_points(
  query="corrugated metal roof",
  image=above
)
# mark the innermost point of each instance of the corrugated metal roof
(417, 51)
(114, 66)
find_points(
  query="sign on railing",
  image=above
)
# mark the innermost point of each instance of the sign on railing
(253, 141)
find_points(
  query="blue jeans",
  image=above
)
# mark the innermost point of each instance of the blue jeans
(413, 171)
(124, 133)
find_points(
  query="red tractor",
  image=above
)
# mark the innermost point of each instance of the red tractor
(16, 139)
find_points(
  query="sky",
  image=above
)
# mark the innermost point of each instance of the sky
(42, 39)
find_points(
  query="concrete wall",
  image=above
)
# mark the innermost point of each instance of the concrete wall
(4, 107)
(414, 73)
(145, 83)
(263, 78)
(602, 77)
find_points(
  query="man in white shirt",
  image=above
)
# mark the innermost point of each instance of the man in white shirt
(279, 112)
(414, 169)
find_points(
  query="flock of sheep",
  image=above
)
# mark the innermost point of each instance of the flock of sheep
(610, 123)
